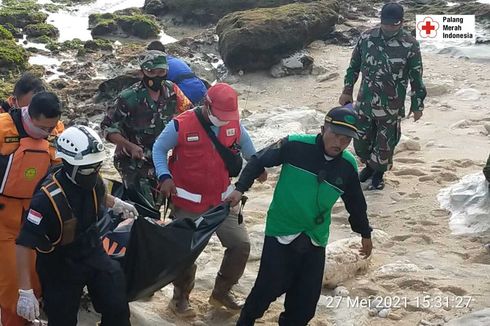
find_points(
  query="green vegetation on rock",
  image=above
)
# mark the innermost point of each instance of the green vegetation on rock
(5, 34)
(98, 44)
(129, 22)
(70, 45)
(41, 29)
(21, 13)
(12, 56)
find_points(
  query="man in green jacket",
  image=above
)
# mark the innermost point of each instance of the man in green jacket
(388, 58)
(316, 171)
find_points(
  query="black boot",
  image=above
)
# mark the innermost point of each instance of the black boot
(377, 182)
(366, 173)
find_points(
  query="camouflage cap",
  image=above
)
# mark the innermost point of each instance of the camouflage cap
(153, 59)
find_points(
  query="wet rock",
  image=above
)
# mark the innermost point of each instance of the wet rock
(343, 35)
(126, 23)
(21, 13)
(13, 57)
(207, 11)
(98, 44)
(259, 38)
(59, 84)
(41, 29)
(155, 7)
(296, 64)
(110, 88)
(16, 32)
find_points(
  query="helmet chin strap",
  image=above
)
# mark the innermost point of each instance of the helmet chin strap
(73, 174)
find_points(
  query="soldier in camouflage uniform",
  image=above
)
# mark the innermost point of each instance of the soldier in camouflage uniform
(388, 57)
(139, 116)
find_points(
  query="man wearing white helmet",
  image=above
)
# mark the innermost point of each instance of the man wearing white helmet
(61, 226)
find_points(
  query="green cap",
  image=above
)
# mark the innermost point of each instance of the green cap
(153, 59)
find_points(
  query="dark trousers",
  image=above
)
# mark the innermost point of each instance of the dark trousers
(295, 269)
(62, 284)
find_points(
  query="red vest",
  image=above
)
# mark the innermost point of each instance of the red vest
(197, 169)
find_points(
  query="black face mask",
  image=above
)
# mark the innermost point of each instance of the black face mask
(154, 83)
(85, 181)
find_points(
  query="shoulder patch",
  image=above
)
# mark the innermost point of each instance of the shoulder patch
(34, 217)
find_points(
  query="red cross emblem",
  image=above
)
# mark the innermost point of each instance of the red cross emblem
(427, 28)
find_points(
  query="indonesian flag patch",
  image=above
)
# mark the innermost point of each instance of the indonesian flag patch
(34, 217)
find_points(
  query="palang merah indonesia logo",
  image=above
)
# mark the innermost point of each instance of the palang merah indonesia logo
(427, 28)
(446, 28)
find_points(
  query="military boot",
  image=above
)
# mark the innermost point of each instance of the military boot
(222, 295)
(180, 304)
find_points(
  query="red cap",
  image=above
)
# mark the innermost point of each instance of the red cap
(223, 100)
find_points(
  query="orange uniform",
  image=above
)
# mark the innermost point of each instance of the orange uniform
(23, 162)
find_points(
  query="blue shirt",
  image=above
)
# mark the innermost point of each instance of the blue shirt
(192, 87)
(167, 140)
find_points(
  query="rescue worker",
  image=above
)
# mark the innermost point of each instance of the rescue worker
(27, 151)
(180, 73)
(316, 170)
(24, 90)
(61, 226)
(140, 114)
(388, 57)
(198, 179)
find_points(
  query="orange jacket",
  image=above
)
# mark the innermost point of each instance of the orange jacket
(24, 161)
(9, 136)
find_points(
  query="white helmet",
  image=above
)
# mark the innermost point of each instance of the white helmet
(80, 145)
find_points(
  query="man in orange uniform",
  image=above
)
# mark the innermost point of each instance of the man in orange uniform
(26, 152)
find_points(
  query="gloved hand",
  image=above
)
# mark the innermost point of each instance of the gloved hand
(126, 209)
(27, 306)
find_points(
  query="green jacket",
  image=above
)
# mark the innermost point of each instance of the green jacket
(386, 66)
(302, 200)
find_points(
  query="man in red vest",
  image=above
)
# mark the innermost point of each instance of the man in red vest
(198, 178)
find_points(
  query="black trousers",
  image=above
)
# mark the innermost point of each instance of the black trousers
(63, 280)
(295, 269)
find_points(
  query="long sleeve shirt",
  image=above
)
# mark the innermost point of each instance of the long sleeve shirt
(167, 140)
(387, 65)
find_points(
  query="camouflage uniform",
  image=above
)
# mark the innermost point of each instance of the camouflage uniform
(486, 169)
(386, 66)
(140, 119)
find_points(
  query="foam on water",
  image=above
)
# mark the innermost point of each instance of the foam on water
(73, 22)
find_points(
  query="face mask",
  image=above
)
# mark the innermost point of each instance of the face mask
(389, 34)
(32, 130)
(217, 122)
(154, 83)
(83, 177)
